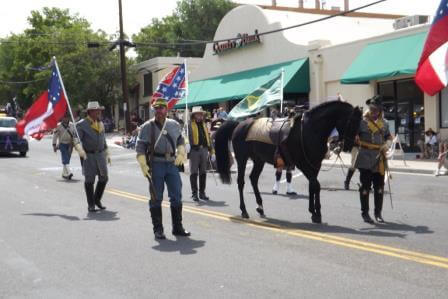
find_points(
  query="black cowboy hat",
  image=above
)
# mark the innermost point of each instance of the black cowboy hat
(376, 101)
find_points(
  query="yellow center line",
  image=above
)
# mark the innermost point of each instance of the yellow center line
(418, 257)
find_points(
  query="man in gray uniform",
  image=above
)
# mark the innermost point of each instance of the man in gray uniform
(199, 148)
(94, 154)
(371, 161)
(160, 149)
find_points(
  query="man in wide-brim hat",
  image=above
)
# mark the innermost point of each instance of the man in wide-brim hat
(199, 149)
(94, 153)
(371, 161)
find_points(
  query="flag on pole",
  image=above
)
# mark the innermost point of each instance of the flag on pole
(268, 94)
(46, 111)
(431, 74)
(172, 87)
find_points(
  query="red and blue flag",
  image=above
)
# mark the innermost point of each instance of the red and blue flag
(432, 71)
(47, 111)
(172, 88)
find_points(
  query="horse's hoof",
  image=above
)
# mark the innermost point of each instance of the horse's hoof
(316, 219)
(260, 211)
(245, 215)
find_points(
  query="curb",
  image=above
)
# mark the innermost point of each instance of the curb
(394, 169)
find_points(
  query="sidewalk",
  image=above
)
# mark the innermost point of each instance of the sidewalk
(407, 164)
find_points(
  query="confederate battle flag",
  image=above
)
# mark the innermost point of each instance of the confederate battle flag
(432, 69)
(172, 87)
(46, 112)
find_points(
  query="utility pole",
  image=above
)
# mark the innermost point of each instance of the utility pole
(124, 79)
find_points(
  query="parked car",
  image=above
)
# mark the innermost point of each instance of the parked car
(9, 139)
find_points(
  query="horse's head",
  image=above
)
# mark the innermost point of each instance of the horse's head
(348, 128)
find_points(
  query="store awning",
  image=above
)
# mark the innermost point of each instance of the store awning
(236, 86)
(385, 59)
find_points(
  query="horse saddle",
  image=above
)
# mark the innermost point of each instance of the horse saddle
(269, 131)
(280, 130)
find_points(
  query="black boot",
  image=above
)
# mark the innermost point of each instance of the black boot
(99, 190)
(365, 207)
(176, 216)
(348, 178)
(202, 183)
(88, 187)
(194, 186)
(156, 217)
(378, 199)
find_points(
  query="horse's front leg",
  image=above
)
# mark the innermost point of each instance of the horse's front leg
(240, 180)
(314, 201)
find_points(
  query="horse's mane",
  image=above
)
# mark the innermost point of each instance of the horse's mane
(324, 105)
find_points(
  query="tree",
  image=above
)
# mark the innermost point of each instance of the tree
(88, 74)
(192, 20)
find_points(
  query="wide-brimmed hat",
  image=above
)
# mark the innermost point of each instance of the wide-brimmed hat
(197, 109)
(430, 131)
(94, 105)
(160, 102)
(376, 101)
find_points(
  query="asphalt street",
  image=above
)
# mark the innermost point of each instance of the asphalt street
(50, 247)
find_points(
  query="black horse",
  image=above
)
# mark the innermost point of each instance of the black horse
(306, 143)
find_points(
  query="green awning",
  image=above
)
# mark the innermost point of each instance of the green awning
(385, 59)
(238, 85)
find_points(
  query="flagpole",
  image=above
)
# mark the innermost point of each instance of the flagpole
(186, 97)
(281, 90)
(66, 97)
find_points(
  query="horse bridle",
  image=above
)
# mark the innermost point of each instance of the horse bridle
(341, 143)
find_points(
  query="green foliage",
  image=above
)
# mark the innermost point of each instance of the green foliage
(192, 20)
(88, 73)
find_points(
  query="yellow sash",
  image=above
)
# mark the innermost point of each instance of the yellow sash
(195, 133)
(96, 125)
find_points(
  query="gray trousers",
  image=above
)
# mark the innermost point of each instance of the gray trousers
(198, 160)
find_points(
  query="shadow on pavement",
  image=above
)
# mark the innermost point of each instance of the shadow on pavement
(68, 181)
(326, 228)
(66, 217)
(296, 196)
(211, 203)
(103, 215)
(419, 229)
(183, 245)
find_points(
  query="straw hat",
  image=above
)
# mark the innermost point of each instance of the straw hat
(197, 109)
(94, 105)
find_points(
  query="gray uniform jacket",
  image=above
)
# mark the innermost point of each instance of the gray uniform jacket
(172, 128)
(95, 146)
(368, 158)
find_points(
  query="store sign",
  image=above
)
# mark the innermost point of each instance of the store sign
(243, 40)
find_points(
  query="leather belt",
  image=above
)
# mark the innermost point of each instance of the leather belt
(94, 152)
(166, 155)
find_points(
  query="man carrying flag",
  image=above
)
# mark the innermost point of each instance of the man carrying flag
(160, 149)
(432, 74)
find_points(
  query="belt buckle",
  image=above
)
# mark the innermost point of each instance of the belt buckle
(167, 156)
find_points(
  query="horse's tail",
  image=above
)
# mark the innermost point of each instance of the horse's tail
(223, 157)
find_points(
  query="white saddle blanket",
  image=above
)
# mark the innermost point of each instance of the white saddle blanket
(259, 131)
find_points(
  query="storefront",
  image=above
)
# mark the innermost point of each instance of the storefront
(232, 68)
(391, 64)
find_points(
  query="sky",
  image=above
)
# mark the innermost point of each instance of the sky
(103, 14)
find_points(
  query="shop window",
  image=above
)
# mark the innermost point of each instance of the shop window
(147, 84)
(444, 108)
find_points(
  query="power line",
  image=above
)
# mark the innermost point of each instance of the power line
(184, 43)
